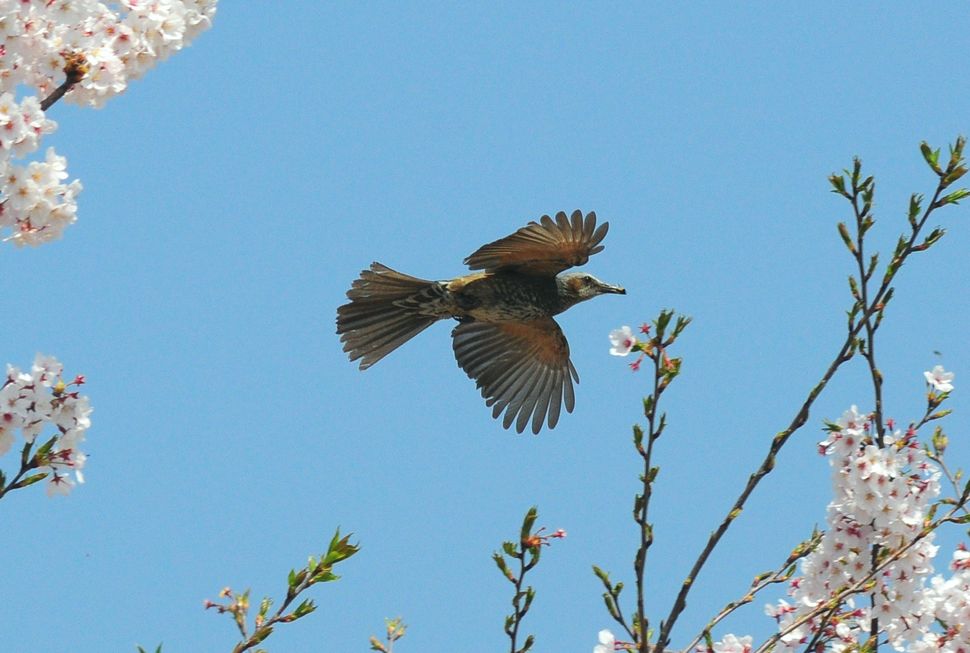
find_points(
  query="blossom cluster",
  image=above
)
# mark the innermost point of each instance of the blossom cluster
(31, 402)
(883, 497)
(112, 44)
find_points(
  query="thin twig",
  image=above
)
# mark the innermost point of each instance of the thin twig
(646, 530)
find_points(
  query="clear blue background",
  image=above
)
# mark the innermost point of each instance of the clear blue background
(233, 194)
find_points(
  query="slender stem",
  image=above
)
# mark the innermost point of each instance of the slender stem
(869, 353)
(516, 611)
(646, 531)
(947, 473)
(26, 464)
(780, 575)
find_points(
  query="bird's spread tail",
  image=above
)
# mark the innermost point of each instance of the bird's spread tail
(384, 312)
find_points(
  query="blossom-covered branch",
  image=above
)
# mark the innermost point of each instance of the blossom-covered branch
(33, 403)
(85, 52)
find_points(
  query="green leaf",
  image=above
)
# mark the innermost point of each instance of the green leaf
(846, 237)
(915, 206)
(934, 236)
(530, 519)
(838, 185)
(873, 262)
(530, 594)
(603, 576)
(305, 608)
(340, 549)
(611, 606)
(856, 172)
(954, 197)
(260, 635)
(954, 175)
(324, 577)
(956, 152)
(932, 157)
(888, 297)
(682, 322)
(502, 566)
(529, 641)
(29, 480)
(648, 406)
(40, 456)
(854, 288)
(638, 502)
(296, 577)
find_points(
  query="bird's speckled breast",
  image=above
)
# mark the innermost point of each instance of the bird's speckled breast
(508, 296)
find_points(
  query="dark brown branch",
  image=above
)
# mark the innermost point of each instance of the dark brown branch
(75, 69)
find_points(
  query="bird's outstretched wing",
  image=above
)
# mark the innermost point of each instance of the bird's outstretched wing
(546, 247)
(522, 368)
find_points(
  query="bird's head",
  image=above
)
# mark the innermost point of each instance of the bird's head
(577, 287)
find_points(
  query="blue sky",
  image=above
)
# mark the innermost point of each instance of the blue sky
(233, 194)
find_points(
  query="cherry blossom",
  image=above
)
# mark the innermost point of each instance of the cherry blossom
(622, 340)
(733, 644)
(606, 644)
(940, 379)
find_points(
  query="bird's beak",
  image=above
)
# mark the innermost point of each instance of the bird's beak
(616, 290)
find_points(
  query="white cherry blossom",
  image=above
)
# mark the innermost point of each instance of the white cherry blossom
(940, 379)
(622, 340)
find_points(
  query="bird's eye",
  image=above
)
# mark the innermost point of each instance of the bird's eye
(588, 279)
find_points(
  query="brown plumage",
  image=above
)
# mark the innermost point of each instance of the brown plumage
(506, 339)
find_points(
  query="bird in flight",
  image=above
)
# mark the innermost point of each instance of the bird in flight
(506, 339)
